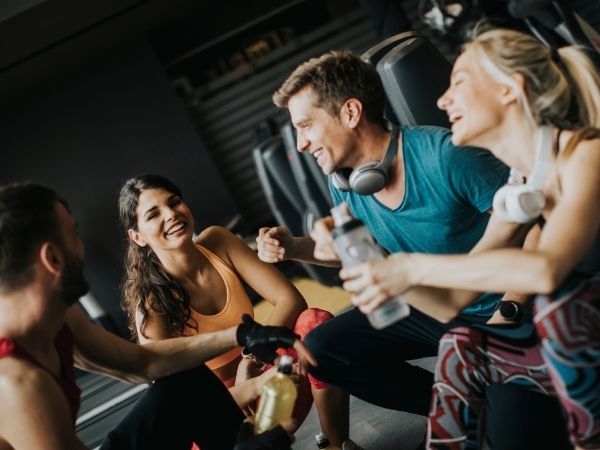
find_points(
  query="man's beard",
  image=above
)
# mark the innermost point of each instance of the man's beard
(73, 284)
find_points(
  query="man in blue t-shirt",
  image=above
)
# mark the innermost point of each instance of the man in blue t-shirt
(432, 197)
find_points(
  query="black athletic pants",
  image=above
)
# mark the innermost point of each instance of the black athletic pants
(191, 406)
(371, 365)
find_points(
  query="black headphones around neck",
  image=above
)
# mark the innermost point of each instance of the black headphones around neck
(370, 177)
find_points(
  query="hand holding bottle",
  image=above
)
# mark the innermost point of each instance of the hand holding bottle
(321, 234)
(373, 283)
(277, 398)
(359, 253)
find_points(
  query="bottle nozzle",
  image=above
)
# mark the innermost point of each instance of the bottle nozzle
(285, 364)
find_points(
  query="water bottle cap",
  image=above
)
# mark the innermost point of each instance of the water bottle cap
(285, 360)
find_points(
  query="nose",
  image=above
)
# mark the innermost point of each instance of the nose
(170, 214)
(444, 100)
(302, 143)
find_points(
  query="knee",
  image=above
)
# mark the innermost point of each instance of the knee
(309, 319)
(452, 345)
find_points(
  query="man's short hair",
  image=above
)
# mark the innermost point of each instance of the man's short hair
(27, 218)
(336, 77)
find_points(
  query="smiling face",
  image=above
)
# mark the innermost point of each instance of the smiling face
(475, 102)
(164, 221)
(324, 136)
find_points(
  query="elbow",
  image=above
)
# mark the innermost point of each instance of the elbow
(297, 303)
(549, 276)
(150, 368)
(546, 285)
(449, 313)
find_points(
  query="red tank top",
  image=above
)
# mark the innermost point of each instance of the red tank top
(66, 381)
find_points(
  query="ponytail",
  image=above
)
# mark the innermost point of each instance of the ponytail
(584, 82)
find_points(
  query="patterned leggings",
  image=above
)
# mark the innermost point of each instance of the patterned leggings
(564, 361)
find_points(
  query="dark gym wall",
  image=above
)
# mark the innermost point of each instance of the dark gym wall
(85, 116)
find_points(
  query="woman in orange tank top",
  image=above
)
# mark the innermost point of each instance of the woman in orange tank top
(176, 285)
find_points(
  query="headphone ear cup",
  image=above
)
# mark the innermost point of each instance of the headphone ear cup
(367, 179)
(340, 181)
(524, 203)
(518, 204)
(499, 203)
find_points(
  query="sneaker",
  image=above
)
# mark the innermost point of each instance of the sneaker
(349, 444)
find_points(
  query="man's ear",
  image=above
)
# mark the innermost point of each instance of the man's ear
(51, 257)
(135, 237)
(508, 93)
(351, 112)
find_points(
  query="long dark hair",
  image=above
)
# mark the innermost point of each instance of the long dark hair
(146, 285)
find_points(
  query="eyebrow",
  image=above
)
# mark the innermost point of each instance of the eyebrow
(155, 207)
(456, 72)
(151, 209)
(300, 122)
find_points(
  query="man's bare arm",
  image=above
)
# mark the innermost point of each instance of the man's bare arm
(97, 350)
(34, 412)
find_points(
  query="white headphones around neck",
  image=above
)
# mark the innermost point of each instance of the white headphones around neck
(370, 177)
(521, 202)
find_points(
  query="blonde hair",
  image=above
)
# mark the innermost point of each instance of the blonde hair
(552, 82)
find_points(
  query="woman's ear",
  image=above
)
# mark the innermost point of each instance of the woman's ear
(135, 237)
(351, 112)
(509, 94)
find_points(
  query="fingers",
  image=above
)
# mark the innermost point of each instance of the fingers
(304, 356)
(321, 234)
(302, 366)
(268, 246)
(296, 374)
(370, 299)
(348, 273)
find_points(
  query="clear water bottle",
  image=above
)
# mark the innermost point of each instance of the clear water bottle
(354, 245)
(277, 398)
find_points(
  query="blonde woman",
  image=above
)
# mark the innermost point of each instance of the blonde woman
(515, 97)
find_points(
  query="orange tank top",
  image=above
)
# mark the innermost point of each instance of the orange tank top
(237, 303)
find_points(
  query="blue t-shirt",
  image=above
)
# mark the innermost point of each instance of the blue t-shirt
(448, 191)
